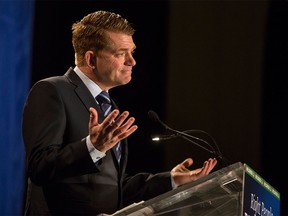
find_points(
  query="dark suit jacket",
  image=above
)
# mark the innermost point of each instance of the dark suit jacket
(62, 178)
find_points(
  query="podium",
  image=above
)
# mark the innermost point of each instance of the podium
(235, 190)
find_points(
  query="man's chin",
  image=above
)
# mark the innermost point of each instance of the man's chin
(127, 80)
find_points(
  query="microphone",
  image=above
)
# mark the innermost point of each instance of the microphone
(174, 135)
(164, 137)
(185, 135)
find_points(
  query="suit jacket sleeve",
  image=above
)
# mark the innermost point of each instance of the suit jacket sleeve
(51, 155)
(144, 186)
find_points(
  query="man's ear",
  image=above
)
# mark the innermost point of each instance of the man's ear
(90, 59)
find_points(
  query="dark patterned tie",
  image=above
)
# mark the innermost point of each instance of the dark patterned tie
(105, 103)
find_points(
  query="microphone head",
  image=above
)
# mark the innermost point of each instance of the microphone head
(153, 116)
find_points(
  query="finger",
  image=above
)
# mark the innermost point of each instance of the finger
(209, 165)
(128, 132)
(205, 168)
(110, 119)
(125, 126)
(120, 119)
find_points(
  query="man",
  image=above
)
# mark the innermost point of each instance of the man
(72, 141)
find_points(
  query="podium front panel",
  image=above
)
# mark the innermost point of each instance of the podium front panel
(235, 190)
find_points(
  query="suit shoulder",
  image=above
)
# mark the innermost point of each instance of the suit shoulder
(51, 84)
(53, 80)
(69, 77)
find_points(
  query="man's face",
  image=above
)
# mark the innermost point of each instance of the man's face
(114, 64)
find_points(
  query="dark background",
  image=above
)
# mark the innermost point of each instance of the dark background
(239, 94)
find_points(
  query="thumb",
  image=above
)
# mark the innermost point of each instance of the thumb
(93, 121)
(187, 162)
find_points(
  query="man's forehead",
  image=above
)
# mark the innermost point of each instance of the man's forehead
(120, 46)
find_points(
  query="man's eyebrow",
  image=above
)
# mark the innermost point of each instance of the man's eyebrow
(113, 50)
(125, 49)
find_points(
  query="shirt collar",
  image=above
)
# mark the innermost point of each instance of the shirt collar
(92, 86)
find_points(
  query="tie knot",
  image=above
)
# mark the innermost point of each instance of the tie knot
(103, 97)
(104, 102)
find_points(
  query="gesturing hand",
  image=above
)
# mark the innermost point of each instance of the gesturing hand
(113, 129)
(182, 175)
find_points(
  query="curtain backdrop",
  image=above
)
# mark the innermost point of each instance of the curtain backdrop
(16, 20)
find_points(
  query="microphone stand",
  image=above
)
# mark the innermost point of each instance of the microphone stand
(190, 138)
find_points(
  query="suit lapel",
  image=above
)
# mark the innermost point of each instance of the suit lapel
(83, 92)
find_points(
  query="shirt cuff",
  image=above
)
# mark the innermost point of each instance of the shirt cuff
(95, 154)
(174, 186)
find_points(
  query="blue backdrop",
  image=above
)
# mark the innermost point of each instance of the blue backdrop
(16, 21)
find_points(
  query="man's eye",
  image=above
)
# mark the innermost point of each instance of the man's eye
(120, 54)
